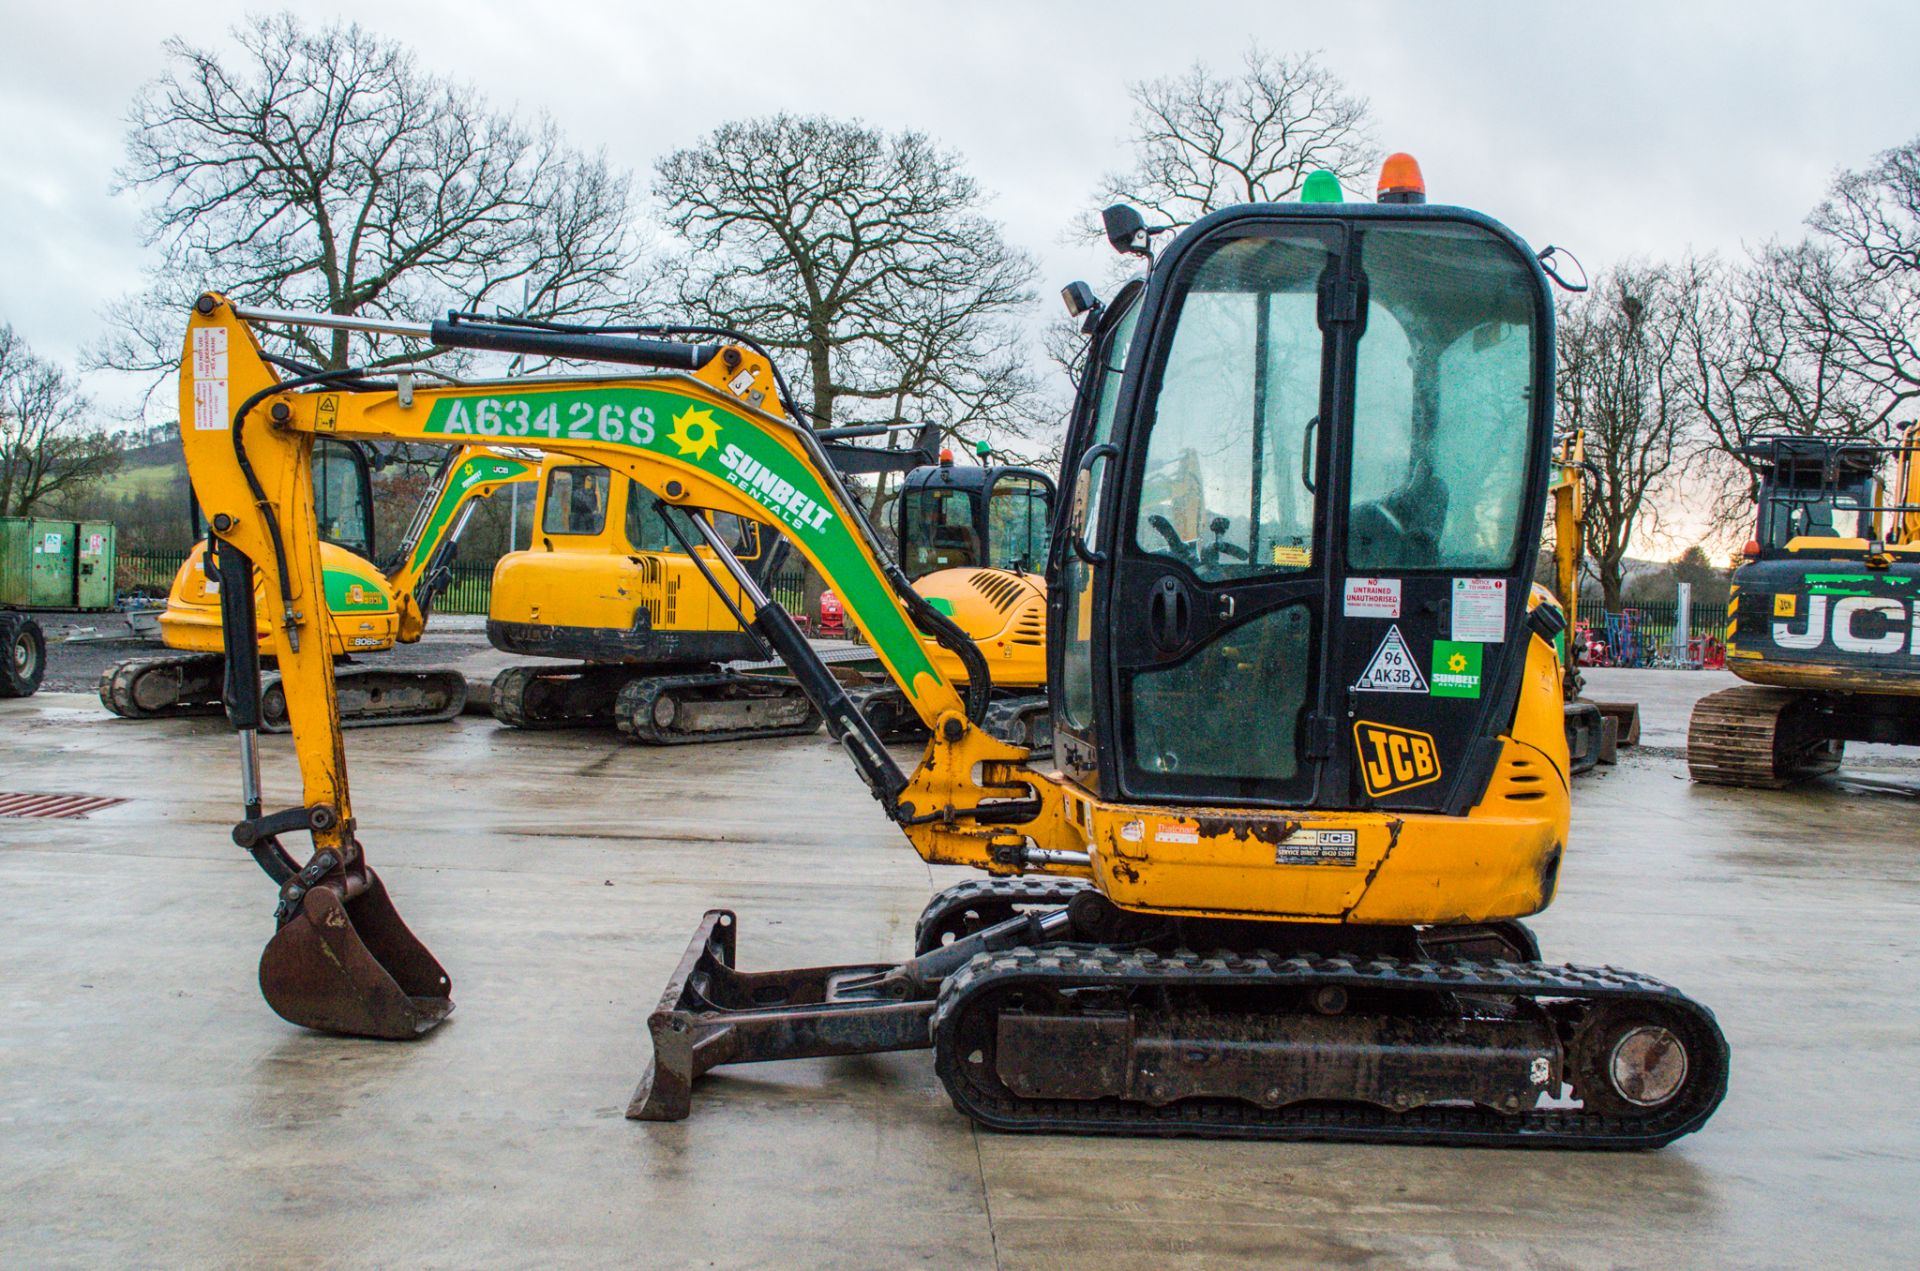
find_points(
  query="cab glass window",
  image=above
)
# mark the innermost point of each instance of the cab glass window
(1228, 487)
(576, 500)
(339, 500)
(1017, 517)
(1845, 512)
(741, 536)
(1443, 395)
(940, 531)
(1109, 365)
(645, 529)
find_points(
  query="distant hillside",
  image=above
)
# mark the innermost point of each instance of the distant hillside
(151, 470)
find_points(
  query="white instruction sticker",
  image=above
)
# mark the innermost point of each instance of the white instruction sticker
(210, 353)
(1480, 610)
(210, 405)
(1392, 668)
(1372, 598)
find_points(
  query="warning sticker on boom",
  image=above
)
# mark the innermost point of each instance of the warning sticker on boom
(1392, 668)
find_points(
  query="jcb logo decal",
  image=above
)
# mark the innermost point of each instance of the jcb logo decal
(1393, 759)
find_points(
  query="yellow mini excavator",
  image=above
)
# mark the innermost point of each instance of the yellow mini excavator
(1595, 730)
(370, 610)
(973, 541)
(1824, 619)
(617, 579)
(1274, 887)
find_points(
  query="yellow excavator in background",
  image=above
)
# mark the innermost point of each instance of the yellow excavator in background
(1824, 619)
(1595, 730)
(618, 579)
(370, 610)
(973, 540)
(1273, 887)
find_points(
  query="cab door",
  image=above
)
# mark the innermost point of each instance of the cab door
(1216, 602)
(1334, 436)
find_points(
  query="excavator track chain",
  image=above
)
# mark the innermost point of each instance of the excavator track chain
(170, 685)
(979, 903)
(558, 696)
(1022, 720)
(1094, 1039)
(1018, 719)
(374, 697)
(186, 684)
(671, 710)
(1765, 738)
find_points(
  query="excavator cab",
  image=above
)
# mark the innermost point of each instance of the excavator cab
(965, 517)
(1816, 490)
(1307, 461)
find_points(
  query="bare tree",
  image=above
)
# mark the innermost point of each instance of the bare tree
(322, 169)
(1620, 383)
(48, 447)
(1811, 338)
(1203, 141)
(866, 256)
(1869, 303)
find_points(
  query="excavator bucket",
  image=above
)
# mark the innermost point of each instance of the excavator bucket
(346, 963)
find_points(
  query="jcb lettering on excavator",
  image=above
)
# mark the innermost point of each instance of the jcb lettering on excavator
(1852, 624)
(1394, 759)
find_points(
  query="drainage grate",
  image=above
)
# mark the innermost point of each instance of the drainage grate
(53, 805)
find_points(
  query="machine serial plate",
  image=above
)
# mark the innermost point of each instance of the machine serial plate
(1317, 847)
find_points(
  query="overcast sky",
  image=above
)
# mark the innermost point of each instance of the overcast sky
(1612, 128)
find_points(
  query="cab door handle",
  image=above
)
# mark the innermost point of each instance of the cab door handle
(1169, 614)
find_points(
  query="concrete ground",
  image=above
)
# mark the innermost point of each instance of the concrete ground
(154, 1112)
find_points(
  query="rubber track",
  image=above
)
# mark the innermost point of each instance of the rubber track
(508, 695)
(1012, 893)
(1017, 719)
(117, 684)
(353, 680)
(1733, 739)
(1074, 966)
(633, 712)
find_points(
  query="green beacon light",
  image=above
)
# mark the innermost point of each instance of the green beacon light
(1321, 186)
(983, 449)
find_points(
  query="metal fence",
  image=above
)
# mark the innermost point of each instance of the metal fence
(146, 573)
(1645, 634)
(788, 585)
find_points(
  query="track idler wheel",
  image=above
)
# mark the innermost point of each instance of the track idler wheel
(1630, 1060)
(344, 962)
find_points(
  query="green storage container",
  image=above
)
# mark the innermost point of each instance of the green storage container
(56, 564)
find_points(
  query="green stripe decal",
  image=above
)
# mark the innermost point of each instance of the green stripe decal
(353, 593)
(471, 472)
(725, 446)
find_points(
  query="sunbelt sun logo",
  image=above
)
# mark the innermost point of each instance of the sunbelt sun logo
(1456, 669)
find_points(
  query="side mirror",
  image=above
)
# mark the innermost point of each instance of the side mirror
(1125, 229)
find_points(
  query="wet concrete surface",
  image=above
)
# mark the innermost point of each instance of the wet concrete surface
(154, 1112)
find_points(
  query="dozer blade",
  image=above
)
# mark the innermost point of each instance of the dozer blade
(712, 1014)
(346, 963)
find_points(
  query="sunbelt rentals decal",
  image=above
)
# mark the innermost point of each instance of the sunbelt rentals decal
(709, 438)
